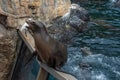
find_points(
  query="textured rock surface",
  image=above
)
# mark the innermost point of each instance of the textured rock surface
(77, 17)
(74, 21)
(7, 51)
(3, 19)
(45, 10)
(53, 8)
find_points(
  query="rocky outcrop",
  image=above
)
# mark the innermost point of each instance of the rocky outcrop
(77, 17)
(53, 8)
(44, 10)
(7, 51)
(73, 22)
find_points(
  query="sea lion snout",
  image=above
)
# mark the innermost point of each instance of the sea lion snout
(30, 22)
(32, 25)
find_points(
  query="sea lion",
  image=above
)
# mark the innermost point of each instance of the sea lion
(51, 52)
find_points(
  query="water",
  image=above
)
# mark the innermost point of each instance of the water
(103, 38)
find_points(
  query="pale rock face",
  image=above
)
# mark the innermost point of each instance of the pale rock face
(44, 10)
(78, 24)
(54, 8)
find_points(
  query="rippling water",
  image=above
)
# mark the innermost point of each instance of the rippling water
(103, 38)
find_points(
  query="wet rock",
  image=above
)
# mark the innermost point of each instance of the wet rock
(62, 33)
(78, 11)
(85, 66)
(77, 17)
(117, 3)
(78, 24)
(86, 51)
(66, 27)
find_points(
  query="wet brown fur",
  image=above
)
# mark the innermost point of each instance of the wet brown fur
(51, 51)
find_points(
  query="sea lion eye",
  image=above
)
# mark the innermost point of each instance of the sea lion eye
(33, 22)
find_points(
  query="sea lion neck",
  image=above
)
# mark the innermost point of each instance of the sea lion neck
(40, 30)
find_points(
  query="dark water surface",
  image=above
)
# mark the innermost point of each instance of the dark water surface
(103, 38)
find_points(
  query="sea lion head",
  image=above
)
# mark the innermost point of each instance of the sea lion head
(35, 25)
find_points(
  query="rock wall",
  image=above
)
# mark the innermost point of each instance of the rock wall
(51, 9)
(45, 10)
(7, 50)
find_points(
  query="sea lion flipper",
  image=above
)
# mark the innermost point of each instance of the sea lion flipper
(51, 62)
